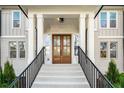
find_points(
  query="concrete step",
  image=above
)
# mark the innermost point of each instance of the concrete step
(61, 65)
(60, 79)
(57, 66)
(36, 85)
(61, 73)
(61, 76)
(61, 69)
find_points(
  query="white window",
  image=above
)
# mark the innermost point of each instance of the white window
(103, 19)
(112, 19)
(16, 19)
(103, 49)
(12, 49)
(108, 19)
(21, 49)
(113, 49)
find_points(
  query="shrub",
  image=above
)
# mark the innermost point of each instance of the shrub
(1, 76)
(121, 78)
(113, 73)
(9, 74)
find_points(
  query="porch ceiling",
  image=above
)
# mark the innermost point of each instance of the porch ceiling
(64, 7)
(61, 15)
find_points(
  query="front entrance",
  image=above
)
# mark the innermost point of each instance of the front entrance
(61, 46)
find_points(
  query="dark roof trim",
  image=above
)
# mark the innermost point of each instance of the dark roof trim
(23, 11)
(98, 11)
(102, 8)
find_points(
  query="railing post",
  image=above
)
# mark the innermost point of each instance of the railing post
(78, 55)
(43, 54)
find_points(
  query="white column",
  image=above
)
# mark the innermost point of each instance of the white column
(30, 38)
(91, 37)
(82, 31)
(39, 32)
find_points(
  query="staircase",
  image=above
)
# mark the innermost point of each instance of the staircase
(60, 76)
(39, 75)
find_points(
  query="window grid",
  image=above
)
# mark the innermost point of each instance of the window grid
(12, 49)
(18, 51)
(103, 49)
(113, 49)
(21, 45)
(109, 20)
(108, 49)
(16, 19)
(103, 19)
(112, 20)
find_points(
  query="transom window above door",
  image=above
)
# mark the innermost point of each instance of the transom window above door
(16, 19)
(108, 19)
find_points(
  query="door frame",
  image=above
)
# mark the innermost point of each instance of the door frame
(70, 46)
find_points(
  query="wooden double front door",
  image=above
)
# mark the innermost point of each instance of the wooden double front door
(61, 46)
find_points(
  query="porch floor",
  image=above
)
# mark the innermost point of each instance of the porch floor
(61, 76)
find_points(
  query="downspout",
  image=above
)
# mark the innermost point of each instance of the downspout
(86, 32)
(35, 25)
(123, 40)
(86, 41)
(0, 38)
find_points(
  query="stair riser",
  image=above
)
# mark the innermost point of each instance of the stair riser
(60, 86)
(48, 79)
(61, 76)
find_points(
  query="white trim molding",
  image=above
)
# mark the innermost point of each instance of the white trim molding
(116, 37)
(13, 36)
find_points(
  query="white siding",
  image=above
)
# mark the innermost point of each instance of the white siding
(7, 29)
(109, 35)
(19, 64)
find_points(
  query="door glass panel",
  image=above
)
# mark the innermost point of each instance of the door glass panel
(55, 42)
(68, 51)
(64, 39)
(64, 51)
(68, 41)
(56, 51)
(58, 41)
(56, 46)
(66, 46)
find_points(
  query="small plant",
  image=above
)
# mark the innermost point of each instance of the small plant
(121, 78)
(113, 73)
(7, 75)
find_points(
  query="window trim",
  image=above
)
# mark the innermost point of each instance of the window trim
(108, 19)
(19, 19)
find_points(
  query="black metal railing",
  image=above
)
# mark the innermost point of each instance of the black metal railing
(95, 78)
(27, 77)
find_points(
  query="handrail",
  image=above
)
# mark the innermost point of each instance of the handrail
(94, 76)
(27, 77)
